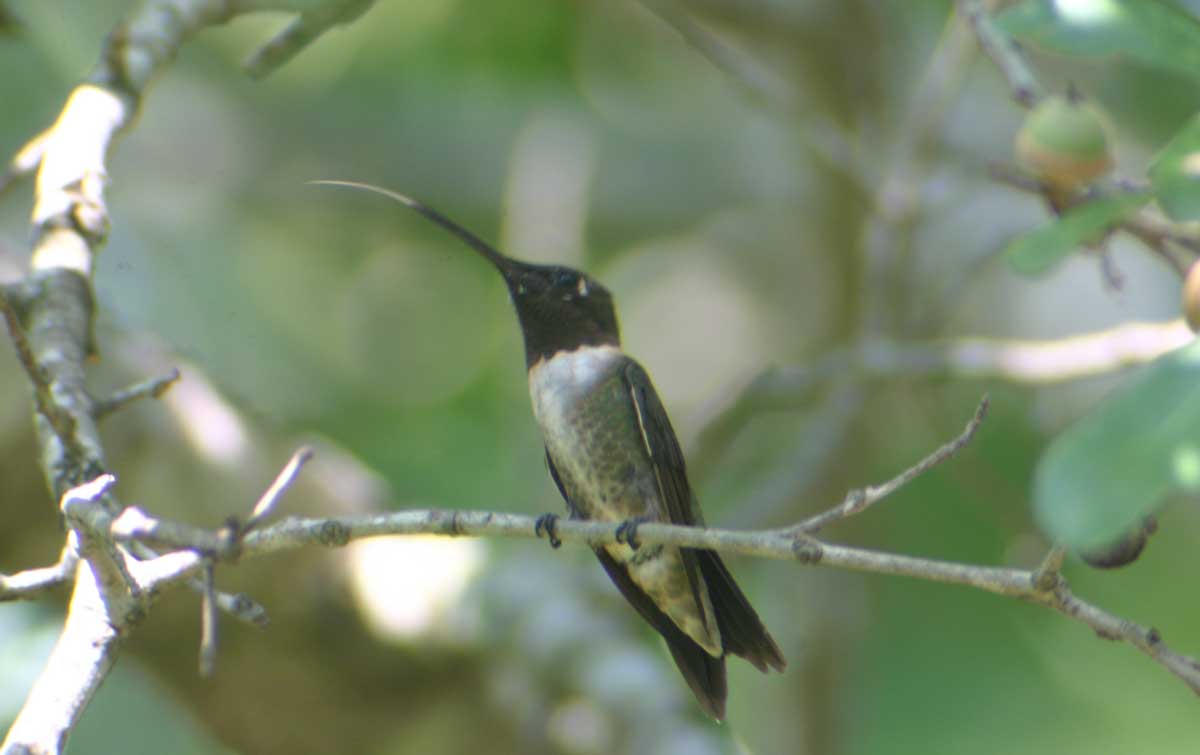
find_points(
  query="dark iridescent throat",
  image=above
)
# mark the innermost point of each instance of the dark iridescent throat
(553, 326)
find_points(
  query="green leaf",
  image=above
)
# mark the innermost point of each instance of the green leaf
(1113, 467)
(1175, 173)
(1149, 31)
(1042, 248)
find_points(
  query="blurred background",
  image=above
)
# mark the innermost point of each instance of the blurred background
(770, 188)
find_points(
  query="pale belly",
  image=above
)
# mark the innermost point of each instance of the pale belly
(591, 431)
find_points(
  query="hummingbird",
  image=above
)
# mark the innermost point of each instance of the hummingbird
(614, 457)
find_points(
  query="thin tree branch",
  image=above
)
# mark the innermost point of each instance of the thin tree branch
(1048, 572)
(152, 388)
(1158, 234)
(785, 544)
(70, 217)
(266, 504)
(310, 24)
(857, 501)
(54, 338)
(238, 605)
(208, 621)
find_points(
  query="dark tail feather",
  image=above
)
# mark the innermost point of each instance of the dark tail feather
(742, 632)
(704, 674)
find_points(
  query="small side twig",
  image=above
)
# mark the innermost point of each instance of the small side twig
(228, 544)
(135, 527)
(222, 544)
(857, 501)
(266, 503)
(62, 422)
(25, 162)
(302, 31)
(1046, 575)
(1003, 52)
(238, 605)
(1178, 245)
(208, 621)
(152, 388)
(31, 583)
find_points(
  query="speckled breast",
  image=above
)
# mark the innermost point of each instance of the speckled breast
(582, 404)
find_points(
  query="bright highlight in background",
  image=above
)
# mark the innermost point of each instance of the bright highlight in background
(1087, 11)
(408, 586)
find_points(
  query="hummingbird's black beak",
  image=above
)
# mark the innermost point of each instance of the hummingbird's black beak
(511, 269)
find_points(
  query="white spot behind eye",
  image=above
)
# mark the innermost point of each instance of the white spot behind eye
(582, 287)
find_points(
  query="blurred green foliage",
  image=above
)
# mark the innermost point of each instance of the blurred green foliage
(1109, 470)
(1153, 32)
(1040, 250)
(722, 168)
(1175, 174)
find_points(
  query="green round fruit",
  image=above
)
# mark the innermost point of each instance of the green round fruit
(1064, 142)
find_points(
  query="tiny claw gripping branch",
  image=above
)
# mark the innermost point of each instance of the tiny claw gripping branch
(548, 523)
(627, 531)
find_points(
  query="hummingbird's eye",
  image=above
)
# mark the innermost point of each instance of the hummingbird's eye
(582, 287)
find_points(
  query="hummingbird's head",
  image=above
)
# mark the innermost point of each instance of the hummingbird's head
(560, 309)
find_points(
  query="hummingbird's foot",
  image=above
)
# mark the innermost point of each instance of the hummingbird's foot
(547, 523)
(627, 531)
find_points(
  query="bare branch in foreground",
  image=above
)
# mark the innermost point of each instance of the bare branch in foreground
(104, 602)
(54, 337)
(112, 594)
(84, 511)
(80, 661)
(857, 501)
